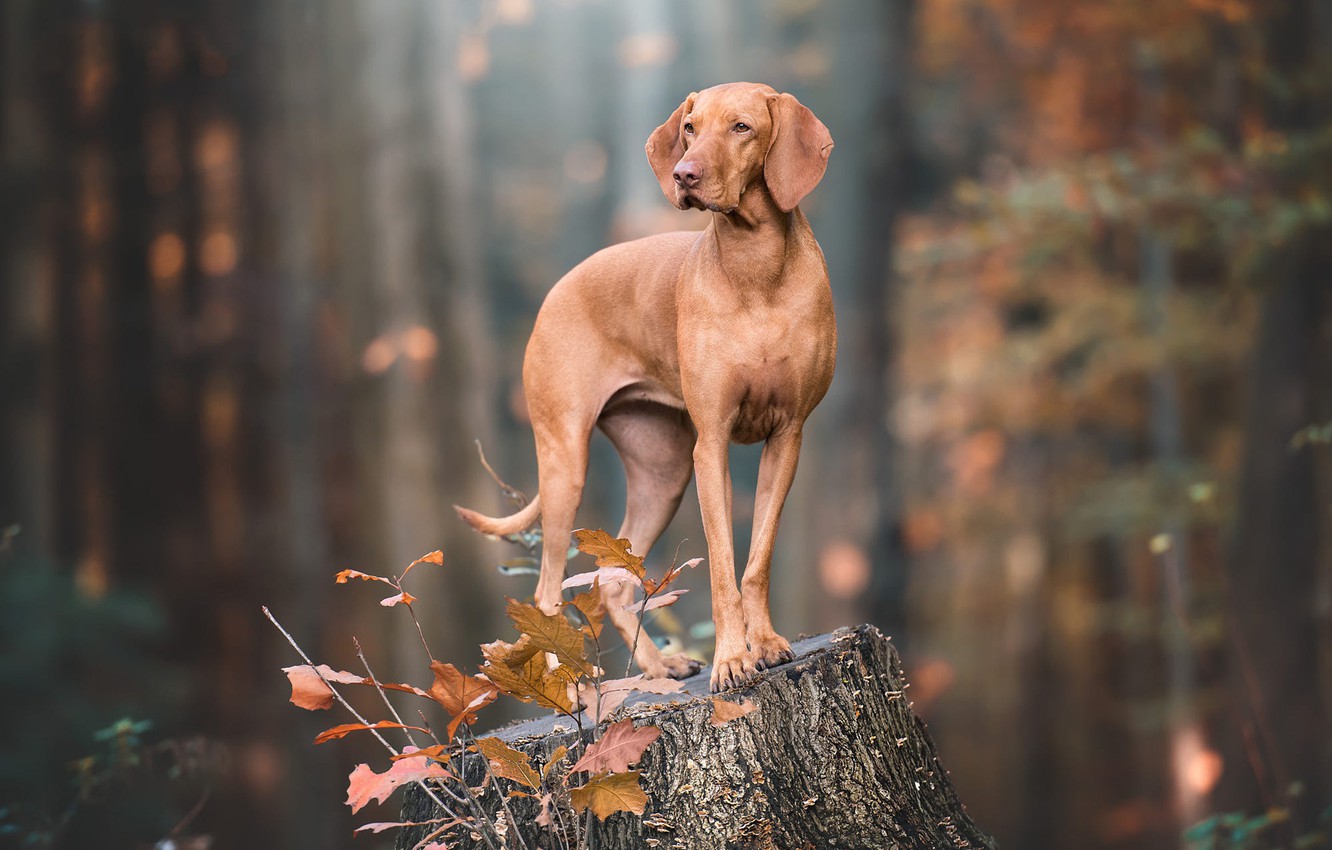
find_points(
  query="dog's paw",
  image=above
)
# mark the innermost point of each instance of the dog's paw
(677, 666)
(770, 650)
(733, 671)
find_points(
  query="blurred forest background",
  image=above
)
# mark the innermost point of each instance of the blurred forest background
(269, 269)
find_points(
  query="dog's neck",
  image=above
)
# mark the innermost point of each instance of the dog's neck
(753, 239)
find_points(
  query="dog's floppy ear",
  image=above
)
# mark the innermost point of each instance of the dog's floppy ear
(665, 147)
(798, 152)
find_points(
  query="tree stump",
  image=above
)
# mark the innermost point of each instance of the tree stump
(832, 758)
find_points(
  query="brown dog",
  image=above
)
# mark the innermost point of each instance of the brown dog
(677, 344)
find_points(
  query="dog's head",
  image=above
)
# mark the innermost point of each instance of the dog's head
(721, 140)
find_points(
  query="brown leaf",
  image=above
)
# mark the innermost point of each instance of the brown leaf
(651, 587)
(724, 712)
(404, 597)
(620, 746)
(552, 633)
(608, 793)
(380, 827)
(309, 691)
(520, 670)
(341, 578)
(461, 695)
(609, 551)
(615, 691)
(668, 598)
(436, 557)
(560, 752)
(439, 752)
(605, 575)
(590, 605)
(509, 763)
(547, 815)
(365, 785)
(347, 728)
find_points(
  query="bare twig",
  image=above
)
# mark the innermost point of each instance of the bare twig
(513, 493)
(382, 693)
(430, 792)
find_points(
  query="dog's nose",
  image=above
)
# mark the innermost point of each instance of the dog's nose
(686, 175)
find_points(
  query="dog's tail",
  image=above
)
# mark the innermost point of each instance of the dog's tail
(500, 526)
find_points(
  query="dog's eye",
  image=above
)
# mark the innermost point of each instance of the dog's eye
(742, 127)
(689, 129)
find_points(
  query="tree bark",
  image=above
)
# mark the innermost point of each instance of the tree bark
(832, 758)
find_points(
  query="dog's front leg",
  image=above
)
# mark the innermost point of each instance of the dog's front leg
(777, 470)
(731, 662)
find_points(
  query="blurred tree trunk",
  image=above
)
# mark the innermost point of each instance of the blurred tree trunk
(1279, 557)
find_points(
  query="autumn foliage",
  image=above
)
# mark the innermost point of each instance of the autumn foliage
(555, 664)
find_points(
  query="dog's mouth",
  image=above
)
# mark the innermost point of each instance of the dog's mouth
(692, 201)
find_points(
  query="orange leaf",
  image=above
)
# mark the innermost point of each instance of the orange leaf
(608, 793)
(520, 670)
(615, 691)
(309, 691)
(560, 752)
(620, 746)
(365, 785)
(509, 763)
(404, 597)
(551, 633)
(347, 728)
(675, 572)
(439, 752)
(436, 557)
(609, 551)
(724, 712)
(341, 578)
(589, 604)
(461, 695)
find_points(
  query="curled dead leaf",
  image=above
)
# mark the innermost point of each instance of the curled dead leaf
(608, 793)
(724, 711)
(620, 746)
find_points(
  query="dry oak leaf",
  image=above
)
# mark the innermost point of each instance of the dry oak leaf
(438, 752)
(615, 691)
(620, 746)
(724, 711)
(365, 785)
(668, 598)
(589, 603)
(552, 633)
(651, 587)
(519, 670)
(461, 695)
(609, 551)
(605, 575)
(380, 827)
(347, 728)
(341, 577)
(309, 691)
(608, 793)
(436, 557)
(404, 597)
(509, 763)
(560, 752)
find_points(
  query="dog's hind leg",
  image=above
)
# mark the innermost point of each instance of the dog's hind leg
(656, 444)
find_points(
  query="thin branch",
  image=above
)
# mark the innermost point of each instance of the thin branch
(382, 693)
(430, 792)
(513, 493)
